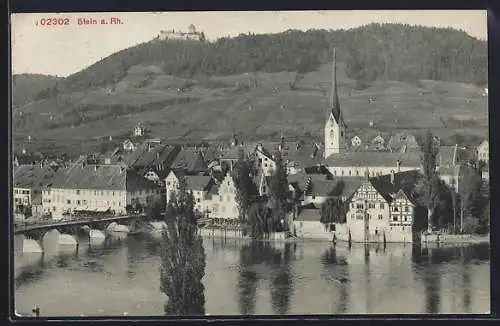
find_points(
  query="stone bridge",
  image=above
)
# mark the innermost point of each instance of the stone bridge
(74, 226)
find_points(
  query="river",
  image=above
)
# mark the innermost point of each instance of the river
(120, 276)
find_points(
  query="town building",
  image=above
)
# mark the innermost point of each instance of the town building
(200, 186)
(356, 141)
(224, 205)
(384, 209)
(191, 34)
(341, 162)
(97, 188)
(264, 160)
(128, 145)
(28, 184)
(378, 142)
(139, 130)
(307, 225)
(483, 151)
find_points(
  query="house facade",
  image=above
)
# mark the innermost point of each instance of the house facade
(28, 183)
(98, 189)
(223, 203)
(483, 151)
(264, 161)
(356, 141)
(307, 225)
(382, 210)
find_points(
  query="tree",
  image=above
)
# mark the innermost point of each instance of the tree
(471, 201)
(279, 192)
(259, 220)
(245, 188)
(333, 211)
(183, 257)
(431, 189)
(27, 211)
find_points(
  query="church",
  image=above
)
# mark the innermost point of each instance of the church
(341, 161)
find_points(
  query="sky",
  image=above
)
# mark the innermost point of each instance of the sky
(64, 50)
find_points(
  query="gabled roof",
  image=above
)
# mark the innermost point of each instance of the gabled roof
(32, 176)
(323, 188)
(105, 177)
(402, 181)
(190, 159)
(198, 182)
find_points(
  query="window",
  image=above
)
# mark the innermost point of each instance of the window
(95, 192)
(342, 172)
(85, 202)
(221, 198)
(68, 202)
(406, 219)
(380, 217)
(381, 205)
(359, 206)
(102, 193)
(78, 202)
(198, 200)
(352, 205)
(395, 209)
(265, 165)
(371, 205)
(332, 227)
(77, 191)
(313, 197)
(395, 218)
(334, 172)
(407, 209)
(357, 173)
(113, 193)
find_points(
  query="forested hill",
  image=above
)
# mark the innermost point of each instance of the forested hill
(387, 51)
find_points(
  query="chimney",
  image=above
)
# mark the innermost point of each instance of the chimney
(398, 165)
(392, 177)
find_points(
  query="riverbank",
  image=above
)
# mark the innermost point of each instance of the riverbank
(454, 239)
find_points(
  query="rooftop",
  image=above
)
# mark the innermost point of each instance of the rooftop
(198, 182)
(402, 181)
(374, 159)
(32, 176)
(106, 177)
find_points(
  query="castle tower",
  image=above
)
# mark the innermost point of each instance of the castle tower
(335, 126)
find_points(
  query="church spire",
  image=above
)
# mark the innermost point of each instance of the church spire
(333, 102)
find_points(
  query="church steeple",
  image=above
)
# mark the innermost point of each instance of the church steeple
(334, 103)
(335, 126)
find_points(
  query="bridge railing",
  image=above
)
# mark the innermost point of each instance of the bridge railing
(69, 220)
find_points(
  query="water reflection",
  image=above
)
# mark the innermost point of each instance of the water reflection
(277, 262)
(336, 266)
(257, 277)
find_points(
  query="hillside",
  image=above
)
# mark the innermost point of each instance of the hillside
(175, 95)
(26, 86)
